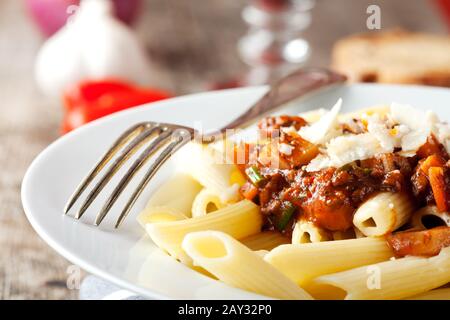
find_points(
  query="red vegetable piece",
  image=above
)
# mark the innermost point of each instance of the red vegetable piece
(91, 100)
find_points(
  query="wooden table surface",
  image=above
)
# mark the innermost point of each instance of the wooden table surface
(190, 43)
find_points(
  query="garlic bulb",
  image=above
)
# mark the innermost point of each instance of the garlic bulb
(92, 45)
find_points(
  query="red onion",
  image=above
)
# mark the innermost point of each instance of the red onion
(51, 15)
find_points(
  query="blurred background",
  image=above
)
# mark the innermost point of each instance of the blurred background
(186, 46)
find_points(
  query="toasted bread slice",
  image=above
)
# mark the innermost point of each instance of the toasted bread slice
(394, 57)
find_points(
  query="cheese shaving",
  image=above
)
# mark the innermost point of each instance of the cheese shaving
(325, 128)
(346, 149)
(285, 148)
(416, 120)
(387, 139)
(313, 115)
(403, 128)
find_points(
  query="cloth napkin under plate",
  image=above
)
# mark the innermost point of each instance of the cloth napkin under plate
(93, 288)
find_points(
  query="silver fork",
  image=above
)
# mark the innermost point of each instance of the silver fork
(288, 88)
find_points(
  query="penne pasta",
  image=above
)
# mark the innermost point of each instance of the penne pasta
(307, 232)
(303, 262)
(178, 193)
(395, 279)
(383, 213)
(209, 167)
(159, 214)
(437, 294)
(266, 240)
(240, 220)
(358, 233)
(238, 266)
(261, 253)
(205, 202)
(429, 217)
(172, 201)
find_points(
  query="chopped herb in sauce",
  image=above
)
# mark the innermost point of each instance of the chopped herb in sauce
(254, 175)
(286, 215)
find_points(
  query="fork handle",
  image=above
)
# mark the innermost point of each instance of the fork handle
(288, 88)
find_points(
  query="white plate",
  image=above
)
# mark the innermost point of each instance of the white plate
(121, 256)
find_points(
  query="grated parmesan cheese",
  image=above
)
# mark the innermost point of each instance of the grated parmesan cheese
(405, 114)
(313, 115)
(289, 130)
(346, 149)
(325, 128)
(404, 127)
(285, 149)
(377, 128)
(318, 163)
(418, 122)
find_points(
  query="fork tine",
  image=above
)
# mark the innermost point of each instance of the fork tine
(117, 145)
(137, 165)
(163, 156)
(129, 150)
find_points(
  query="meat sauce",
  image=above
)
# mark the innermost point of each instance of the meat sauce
(330, 197)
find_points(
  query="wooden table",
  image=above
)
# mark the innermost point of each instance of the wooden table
(190, 43)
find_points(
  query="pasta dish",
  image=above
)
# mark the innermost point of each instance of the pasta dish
(320, 205)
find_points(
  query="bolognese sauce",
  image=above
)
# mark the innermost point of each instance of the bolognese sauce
(329, 197)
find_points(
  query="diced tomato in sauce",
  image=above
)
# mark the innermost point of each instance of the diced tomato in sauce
(419, 243)
(432, 146)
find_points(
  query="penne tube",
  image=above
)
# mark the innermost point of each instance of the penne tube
(159, 214)
(178, 193)
(266, 240)
(307, 232)
(171, 201)
(303, 262)
(394, 279)
(429, 217)
(358, 233)
(240, 220)
(383, 213)
(210, 168)
(437, 294)
(205, 202)
(238, 266)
